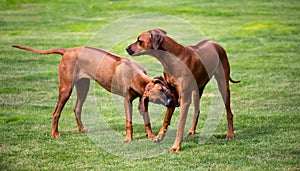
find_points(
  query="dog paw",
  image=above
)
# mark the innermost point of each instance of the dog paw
(83, 130)
(159, 138)
(229, 136)
(175, 149)
(151, 137)
(191, 132)
(127, 140)
(55, 135)
(156, 140)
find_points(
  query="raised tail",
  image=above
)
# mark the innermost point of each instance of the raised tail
(42, 52)
(234, 81)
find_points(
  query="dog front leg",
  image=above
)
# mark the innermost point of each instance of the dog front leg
(128, 112)
(166, 123)
(184, 108)
(143, 108)
(148, 128)
(168, 116)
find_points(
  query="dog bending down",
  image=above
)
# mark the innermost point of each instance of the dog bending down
(187, 69)
(116, 74)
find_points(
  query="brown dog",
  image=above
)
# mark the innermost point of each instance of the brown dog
(188, 69)
(116, 74)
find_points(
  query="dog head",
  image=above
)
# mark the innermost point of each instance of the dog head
(146, 41)
(157, 92)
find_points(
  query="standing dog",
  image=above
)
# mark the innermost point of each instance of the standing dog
(187, 69)
(116, 74)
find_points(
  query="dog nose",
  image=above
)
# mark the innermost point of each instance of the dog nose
(169, 102)
(129, 51)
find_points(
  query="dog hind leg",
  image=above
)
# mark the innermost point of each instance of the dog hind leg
(64, 94)
(222, 78)
(82, 88)
(196, 100)
(128, 112)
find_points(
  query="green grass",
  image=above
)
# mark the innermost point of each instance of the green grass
(261, 38)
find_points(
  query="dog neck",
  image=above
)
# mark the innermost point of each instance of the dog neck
(141, 80)
(171, 55)
(168, 50)
(171, 46)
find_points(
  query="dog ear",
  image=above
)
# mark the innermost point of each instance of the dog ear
(161, 31)
(157, 36)
(159, 79)
(143, 105)
(144, 100)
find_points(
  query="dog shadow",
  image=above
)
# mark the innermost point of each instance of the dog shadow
(241, 134)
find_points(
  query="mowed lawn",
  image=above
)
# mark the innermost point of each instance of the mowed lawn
(261, 39)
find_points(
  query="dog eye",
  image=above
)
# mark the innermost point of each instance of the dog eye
(139, 41)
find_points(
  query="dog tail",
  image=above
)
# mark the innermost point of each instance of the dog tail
(234, 81)
(42, 52)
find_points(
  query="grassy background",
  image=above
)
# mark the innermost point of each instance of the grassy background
(261, 38)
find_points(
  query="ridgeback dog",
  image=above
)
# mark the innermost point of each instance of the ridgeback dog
(116, 74)
(187, 69)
